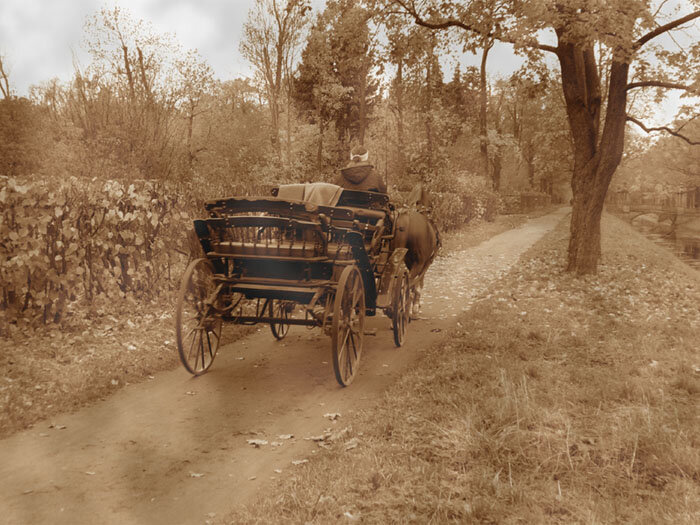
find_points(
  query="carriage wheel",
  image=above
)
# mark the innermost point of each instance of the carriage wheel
(401, 307)
(348, 325)
(197, 325)
(279, 309)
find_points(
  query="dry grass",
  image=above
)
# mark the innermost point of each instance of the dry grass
(555, 400)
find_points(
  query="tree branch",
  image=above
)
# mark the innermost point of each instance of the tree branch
(4, 81)
(665, 28)
(657, 83)
(450, 22)
(663, 128)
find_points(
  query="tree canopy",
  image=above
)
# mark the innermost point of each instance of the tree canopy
(605, 51)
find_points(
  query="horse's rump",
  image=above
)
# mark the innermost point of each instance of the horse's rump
(416, 232)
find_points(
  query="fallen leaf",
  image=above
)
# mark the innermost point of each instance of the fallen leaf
(196, 475)
(299, 461)
(332, 415)
(257, 443)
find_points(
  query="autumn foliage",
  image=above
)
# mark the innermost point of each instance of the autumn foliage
(80, 241)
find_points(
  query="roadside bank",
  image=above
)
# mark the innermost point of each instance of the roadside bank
(556, 399)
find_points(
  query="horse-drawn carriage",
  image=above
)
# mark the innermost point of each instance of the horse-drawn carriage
(313, 255)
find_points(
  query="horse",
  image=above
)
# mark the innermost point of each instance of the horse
(416, 232)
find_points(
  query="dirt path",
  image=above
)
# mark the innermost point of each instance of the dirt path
(175, 450)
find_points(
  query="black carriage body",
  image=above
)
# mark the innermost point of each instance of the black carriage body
(272, 248)
(293, 262)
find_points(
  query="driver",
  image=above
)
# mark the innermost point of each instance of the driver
(359, 174)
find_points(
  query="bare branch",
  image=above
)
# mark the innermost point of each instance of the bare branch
(4, 81)
(665, 28)
(658, 83)
(663, 128)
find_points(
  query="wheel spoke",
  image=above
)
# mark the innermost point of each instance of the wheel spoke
(342, 353)
(194, 338)
(208, 346)
(346, 333)
(350, 358)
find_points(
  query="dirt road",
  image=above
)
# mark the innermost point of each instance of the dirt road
(175, 449)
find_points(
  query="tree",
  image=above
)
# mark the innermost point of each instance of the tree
(336, 81)
(271, 36)
(236, 142)
(127, 99)
(535, 115)
(317, 88)
(196, 81)
(21, 136)
(628, 30)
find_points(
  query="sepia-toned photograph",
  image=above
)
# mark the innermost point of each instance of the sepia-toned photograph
(349, 261)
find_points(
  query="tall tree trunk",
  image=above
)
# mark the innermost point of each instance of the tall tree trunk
(275, 118)
(498, 155)
(596, 155)
(190, 126)
(319, 154)
(529, 154)
(428, 116)
(401, 160)
(362, 95)
(289, 128)
(483, 131)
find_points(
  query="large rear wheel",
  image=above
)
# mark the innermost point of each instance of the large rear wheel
(401, 307)
(348, 326)
(197, 323)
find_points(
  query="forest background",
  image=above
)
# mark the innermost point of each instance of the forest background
(100, 175)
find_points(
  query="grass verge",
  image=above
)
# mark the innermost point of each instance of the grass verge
(555, 399)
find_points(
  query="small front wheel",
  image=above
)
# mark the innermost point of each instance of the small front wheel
(348, 325)
(197, 322)
(279, 310)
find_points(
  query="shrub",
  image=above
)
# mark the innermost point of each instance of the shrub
(76, 240)
(461, 197)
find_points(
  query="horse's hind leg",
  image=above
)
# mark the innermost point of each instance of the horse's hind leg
(416, 292)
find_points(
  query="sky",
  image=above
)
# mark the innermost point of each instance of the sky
(40, 38)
